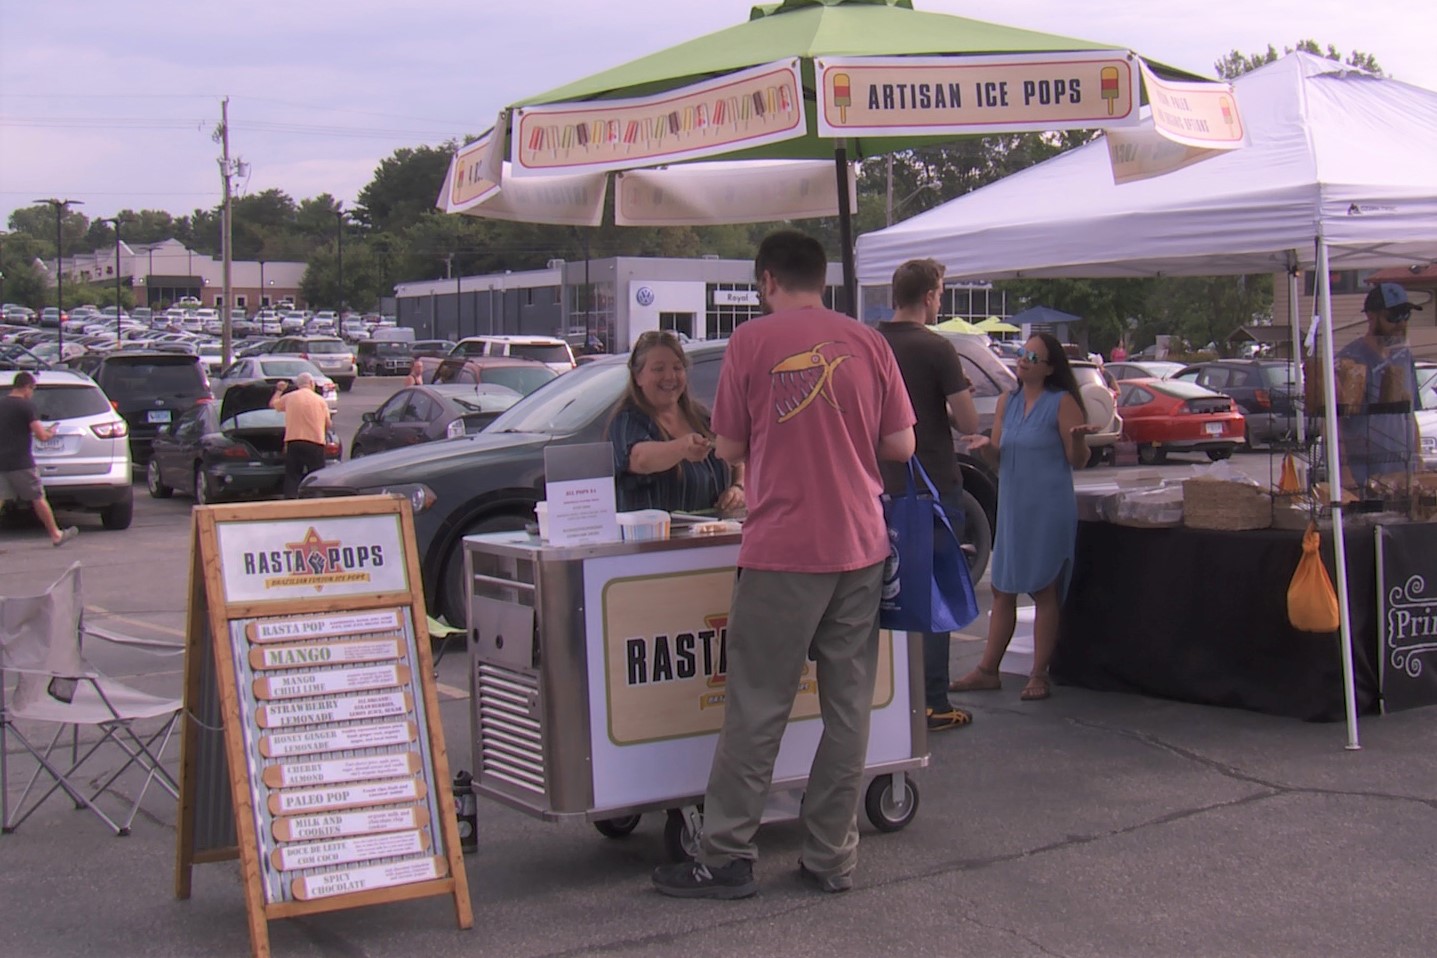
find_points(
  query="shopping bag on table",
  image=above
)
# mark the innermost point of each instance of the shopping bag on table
(926, 585)
(1311, 600)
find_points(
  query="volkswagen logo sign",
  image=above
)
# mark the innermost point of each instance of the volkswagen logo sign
(645, 296)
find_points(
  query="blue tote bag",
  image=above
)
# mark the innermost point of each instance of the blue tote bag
(926, 586)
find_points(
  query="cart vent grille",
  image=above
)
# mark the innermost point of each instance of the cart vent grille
(511, 732)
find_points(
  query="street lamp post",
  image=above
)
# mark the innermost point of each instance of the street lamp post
(60, 207)
(339, 247)
(116, 221)
(262, 297)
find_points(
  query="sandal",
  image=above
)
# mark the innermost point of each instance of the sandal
(1037, 689)
(979, 680)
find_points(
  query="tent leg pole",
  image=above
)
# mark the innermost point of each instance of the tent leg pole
(1334, 485)
(845, 230)
(1298, 374)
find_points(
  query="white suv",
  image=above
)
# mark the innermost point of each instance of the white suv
(549, 350)
(86, 465)
(333, 356)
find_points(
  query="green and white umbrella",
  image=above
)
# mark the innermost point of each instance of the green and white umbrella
(828, 82)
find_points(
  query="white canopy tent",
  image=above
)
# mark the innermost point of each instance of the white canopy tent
(1333, 154)
(1340, 172)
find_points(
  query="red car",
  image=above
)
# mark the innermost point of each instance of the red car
(1169, 415)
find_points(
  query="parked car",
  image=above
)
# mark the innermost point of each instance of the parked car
(149, 388)
(353, 330)
(489, 481)
(1165, 415)
(427, 413)
(1100, 397)
(546, 349)
(1153, 369)
(382, 358)
(521, 375)
(275, 369)
(292, 322)
(330, 353)
(990, 378)
(1264, 390)
(438, 348)
(224, 450)
(86, 464)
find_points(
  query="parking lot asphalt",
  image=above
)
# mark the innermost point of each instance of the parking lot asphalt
(1090, 824)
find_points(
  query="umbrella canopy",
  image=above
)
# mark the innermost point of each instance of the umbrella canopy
(995, 324)
(1046, 316)
(958, 325)
(826, 80)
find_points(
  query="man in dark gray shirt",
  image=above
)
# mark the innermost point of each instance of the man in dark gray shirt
(19, 479)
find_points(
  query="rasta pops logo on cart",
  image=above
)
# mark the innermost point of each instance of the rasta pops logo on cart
(666, 657)
(286, 560)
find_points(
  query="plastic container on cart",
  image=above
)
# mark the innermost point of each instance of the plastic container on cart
(597, 686)
(644, 525)
(541, 513)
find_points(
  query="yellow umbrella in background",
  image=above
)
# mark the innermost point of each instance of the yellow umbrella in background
(958, 325)
(995, 324)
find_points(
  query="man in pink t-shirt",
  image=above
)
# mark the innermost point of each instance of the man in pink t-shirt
(811, 400)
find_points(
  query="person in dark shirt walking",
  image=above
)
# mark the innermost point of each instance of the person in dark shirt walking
(19, 479)
(942, 398)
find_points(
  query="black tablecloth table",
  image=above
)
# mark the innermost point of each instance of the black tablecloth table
(1201, 616)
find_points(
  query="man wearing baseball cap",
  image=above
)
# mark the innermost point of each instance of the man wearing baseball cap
(1379, 437)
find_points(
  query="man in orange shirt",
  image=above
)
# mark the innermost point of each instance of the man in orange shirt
(306, 424)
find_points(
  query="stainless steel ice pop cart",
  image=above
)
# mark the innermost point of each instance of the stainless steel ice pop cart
(597, 684)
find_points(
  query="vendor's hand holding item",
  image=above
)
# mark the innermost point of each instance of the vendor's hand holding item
(1311, 599)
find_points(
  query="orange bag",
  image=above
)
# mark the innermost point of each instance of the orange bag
(1311, 600)
(1288, 485)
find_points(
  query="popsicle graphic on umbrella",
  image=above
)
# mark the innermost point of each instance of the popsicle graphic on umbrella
(1108, 86)
(842, 95)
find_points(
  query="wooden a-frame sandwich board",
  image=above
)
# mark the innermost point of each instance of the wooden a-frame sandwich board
(313, 749)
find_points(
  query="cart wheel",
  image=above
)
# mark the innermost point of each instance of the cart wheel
(680, 841)
(617, 827)
(889, 812)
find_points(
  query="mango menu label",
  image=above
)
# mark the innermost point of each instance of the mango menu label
(305, 684)
(298, 828)
(328, 653)
(347, 881)
(335, 771)
(344, 851)
(345, 708)
(348, 738)
(323, 626)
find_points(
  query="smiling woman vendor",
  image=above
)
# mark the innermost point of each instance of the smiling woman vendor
(663, 448)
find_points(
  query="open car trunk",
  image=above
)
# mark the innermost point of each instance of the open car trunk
(245, 416)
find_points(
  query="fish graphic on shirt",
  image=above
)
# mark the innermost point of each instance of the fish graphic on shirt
(800, 379)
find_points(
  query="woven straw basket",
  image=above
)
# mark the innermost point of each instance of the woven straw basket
(1217, 504)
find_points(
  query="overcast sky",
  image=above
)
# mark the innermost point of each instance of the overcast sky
(113, 102)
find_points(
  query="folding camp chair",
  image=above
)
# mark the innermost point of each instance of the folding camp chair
(40, 645)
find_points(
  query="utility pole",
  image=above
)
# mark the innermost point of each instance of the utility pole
(60, 207)
(226, 332)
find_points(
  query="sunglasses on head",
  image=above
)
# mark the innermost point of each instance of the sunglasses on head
(1031, 356)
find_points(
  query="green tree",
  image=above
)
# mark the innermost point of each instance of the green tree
(405, 187)
(39, 221)
(24, 282)
(1104, 304)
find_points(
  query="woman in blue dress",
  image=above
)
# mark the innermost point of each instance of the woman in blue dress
(664, 454)
(1039, 437)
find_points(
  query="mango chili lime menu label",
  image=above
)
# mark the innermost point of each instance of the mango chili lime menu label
(337, 754)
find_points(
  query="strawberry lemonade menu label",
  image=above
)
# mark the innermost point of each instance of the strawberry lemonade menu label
(335, 749)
